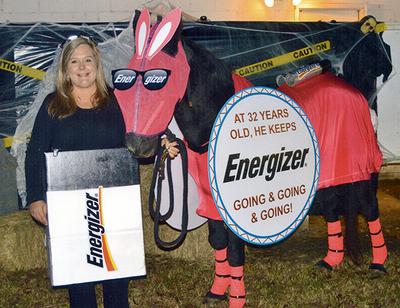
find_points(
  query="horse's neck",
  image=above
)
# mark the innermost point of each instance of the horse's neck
(192, 123)
(196, 113)
(210, 85)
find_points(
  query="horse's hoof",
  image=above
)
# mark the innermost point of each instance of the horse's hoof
(324, 265)
(380, 268)
(212, 299)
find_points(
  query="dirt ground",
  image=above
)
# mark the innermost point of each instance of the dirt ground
(389, 205)
(390, 187)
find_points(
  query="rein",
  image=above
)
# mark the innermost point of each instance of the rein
(164, 160)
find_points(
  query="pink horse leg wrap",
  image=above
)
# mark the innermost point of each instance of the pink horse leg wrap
(335, 244)
(237, 296)
(222, 273)
(379, 250)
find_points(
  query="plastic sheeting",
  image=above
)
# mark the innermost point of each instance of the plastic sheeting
(260, 51)
(37, 46)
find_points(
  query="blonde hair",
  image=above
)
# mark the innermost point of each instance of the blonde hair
(63, 104)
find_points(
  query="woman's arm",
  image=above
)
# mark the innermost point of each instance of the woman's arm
(40, 142)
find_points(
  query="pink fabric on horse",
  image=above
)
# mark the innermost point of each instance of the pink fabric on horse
(340, 115)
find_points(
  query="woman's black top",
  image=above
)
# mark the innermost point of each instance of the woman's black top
(85, 129)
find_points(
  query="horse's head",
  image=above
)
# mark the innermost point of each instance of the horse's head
(154, 81)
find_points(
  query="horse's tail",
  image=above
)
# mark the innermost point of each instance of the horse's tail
(351, 238)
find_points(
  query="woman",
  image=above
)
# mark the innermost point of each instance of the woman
(82, 114)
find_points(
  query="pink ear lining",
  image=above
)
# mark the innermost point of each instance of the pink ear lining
(164, 32)
(142, 32)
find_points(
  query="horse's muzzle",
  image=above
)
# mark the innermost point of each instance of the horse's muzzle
(142, 146)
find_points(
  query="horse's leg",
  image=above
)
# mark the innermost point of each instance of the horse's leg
(335, 253)
(236, 258)
(237, 293)
(335, 246)
(221, 276)
(379, 250)
(370, 209)
(218, 240)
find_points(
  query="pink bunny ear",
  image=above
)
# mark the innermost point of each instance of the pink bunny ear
(165, 31)
(142, 32)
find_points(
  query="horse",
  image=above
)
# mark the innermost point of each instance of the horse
(170, 76)
(349, 159)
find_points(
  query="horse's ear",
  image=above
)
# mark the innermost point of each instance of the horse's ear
(142, 31)
(187, 48)
(164, 32)
(135, 19)
(172, 47)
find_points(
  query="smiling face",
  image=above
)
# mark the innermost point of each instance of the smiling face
(82, 67)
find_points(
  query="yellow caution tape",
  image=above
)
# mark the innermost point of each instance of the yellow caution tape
(380, 27)
(368, 26)
(7, 142)
(371, 25)
(284, 59)
(21, 69)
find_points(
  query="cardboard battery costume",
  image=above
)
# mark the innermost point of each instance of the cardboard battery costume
(349, 155)
(170, 76)
(85, 129)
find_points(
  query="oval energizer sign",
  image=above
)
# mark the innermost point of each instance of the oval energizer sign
(263, 165)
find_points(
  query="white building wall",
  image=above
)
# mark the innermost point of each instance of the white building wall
(121, 10)
(386, 10)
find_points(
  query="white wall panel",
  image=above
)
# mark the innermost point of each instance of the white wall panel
(117, 10)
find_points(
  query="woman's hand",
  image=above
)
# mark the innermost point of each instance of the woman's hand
(172, 147)
(38, 210)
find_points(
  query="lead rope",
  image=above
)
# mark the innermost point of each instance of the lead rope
(164, 160)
